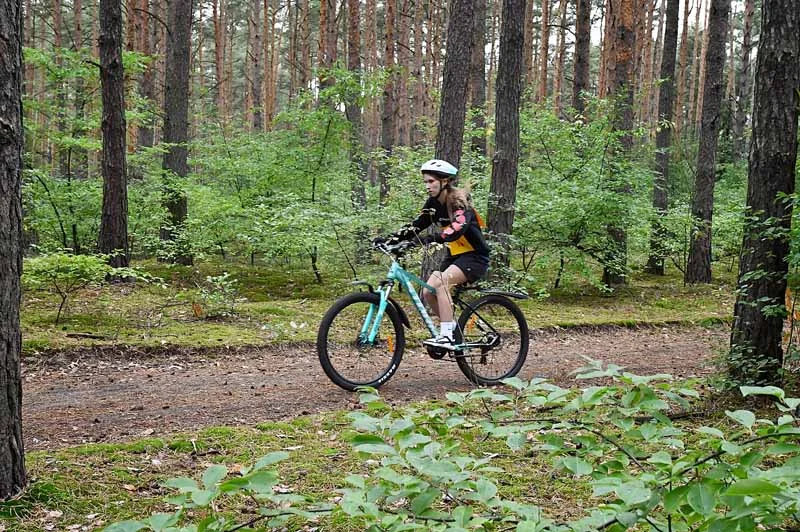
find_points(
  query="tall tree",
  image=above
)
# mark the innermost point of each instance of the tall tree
(561, 52)
(453, 109)
(619, 80)
(220, 39)
(544, 49)
(655, 262)
(176, 122)
(255, 52)
(683, 69)
(478, 77)
(114, 222)
(503, 188)
(389, 100)
(12, 453)
(580, 80)
(756, 335)
(743, 85)
(698, 268)
(403, 122)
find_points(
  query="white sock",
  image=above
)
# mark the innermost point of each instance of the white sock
(447, 328)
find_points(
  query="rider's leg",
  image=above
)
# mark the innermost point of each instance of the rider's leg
(435, 280)
(451, 277)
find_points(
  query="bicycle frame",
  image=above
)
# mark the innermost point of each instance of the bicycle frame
(372, 323)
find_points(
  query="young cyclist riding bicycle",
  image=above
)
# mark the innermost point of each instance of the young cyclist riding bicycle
(467, 253)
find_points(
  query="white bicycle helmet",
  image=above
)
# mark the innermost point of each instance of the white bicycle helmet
(438, 166)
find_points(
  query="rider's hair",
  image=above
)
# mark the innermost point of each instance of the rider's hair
(458, 198)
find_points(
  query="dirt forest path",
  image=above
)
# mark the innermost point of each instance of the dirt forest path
(121, 394)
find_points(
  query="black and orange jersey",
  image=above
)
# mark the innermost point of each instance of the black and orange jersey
(461, 234)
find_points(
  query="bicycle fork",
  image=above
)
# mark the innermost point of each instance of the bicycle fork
(372, 322)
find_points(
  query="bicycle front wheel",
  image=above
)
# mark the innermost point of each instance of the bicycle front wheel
(495, 335)
(345, 353)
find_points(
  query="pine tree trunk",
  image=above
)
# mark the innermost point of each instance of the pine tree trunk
(701, 78)
(658, 232)
(698, 268)
(544, 49)
(146, 131)
(176, 121)
(218, 17)
(646, 89)
(694, 82)
(353, 108)
(490, 81)
(580, 83)
(478, 78)
(658, 52)
(79, 158)
(256, 53)
(742, 87)
(389, 102)
(403, 134)
(602, 82)
(528, 66)
(561, 48)
(503, 188)
(113, 238)
(756, 354)
(453, 109)
(12, 453)
(372, 118)
(619, 79)
(418, 134)
(683, 69)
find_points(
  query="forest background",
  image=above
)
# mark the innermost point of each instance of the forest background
(270, 133)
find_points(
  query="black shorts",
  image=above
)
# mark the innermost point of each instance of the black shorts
(474, 265)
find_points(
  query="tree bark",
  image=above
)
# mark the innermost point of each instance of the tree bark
(218, 16)
(694, 82)
(453, 109)
(561, 52)
(743, 85)
(619, 79)
(503, 188)
(113, 238)
(176, 123)
(698, 268)
(658, 232)
(256, 53)
(420, 98)
(580, 83)
(12, 453)
(478, 78)
(756, 354)
(389, 102)
(544, 49)
(683, 68)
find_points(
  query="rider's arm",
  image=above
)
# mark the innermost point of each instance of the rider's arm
(418, 224)
(462, 218)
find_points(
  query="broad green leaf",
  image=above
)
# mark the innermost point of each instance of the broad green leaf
(675, 498)
(423, 501)
(158, 522)
(125, 526)
(774, 391)
(413, 440)
(486, 490)
(661, 457)
(752, 487)
(457, 398)
(516, 441)
(731, 448)
(701, 499)
(744, 417)
(203, 497)
(711, 431)
(269, 459)
(725, 525)
(633, 493)
(578, 466)
(783, 448)
(184, 484)
(214, 474)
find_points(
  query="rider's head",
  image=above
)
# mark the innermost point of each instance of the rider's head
(438, 175)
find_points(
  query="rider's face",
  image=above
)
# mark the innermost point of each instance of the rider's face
(432, 185)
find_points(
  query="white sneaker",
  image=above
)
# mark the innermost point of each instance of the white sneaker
(441, 341)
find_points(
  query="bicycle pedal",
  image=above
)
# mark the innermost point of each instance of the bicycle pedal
(436, 354)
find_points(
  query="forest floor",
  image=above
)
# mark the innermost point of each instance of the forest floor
(119, 393)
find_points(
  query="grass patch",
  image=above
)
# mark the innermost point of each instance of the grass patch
(283, 304)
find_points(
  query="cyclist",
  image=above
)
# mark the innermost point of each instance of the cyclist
(460, 231)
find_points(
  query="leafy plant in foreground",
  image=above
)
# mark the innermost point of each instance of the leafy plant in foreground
(644, 470)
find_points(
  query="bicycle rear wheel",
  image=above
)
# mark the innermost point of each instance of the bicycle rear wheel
(496, 335)
(348, 359)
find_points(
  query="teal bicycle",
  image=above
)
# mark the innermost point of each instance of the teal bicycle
(361, 338)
